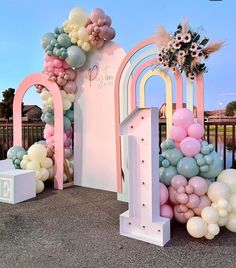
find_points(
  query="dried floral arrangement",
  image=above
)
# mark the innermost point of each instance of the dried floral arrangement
(185, 50)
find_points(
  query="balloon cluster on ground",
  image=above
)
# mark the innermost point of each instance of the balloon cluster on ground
(188, 167)
(16, 154)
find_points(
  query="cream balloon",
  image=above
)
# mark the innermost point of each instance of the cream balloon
(38, 175)
(44, 174)
(197, 227)
(39, 186)
(33, 165)
(83, 34)
(78, 16)
(23, 163)
(222, 221)
(210, 215)
(209, 236)
(231, 223)
(228, 176)
(37, 152)
(46, 163)
(218, 190)
(66, 104)
(213, 229)
(232, 201)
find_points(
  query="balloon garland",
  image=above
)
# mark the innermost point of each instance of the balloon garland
(188, 165)
(66, 51)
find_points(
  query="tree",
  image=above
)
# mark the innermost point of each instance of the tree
(230, 108)
(6, 106)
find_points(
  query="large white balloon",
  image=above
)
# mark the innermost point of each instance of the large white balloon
(37, 152)
(218, 190)
(228, 176)
(39, 186)
(231, 224)
(78, 16)
(210, 215)
(197, 227)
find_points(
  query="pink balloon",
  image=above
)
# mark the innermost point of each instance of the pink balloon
(110, 34)
(108, 20)
(178, 180)
(183, 208)
(193, 201)
(189, 189)
(196, 130)
(97, 14)
(67, 142)
(204, 202)
(50, 141)
(189, 214)
(103, 31)
(61, 82)
(98, 43)
(70, 87)
(179, 216)
(65, 65)
(183, 118)
(181, 190)
(177, 133)
(190, 146)
(58, 70)
(182, 198)
(200, 185)
(166, 212)
(57, 63)
(69, 132)
(177, 146)
(164, 194)
(172, 194)
(68, 153)
(71, 73)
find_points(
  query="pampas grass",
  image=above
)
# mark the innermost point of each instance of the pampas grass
(162, 37)
(213, 47)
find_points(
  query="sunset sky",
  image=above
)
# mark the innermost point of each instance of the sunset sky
(24, 22)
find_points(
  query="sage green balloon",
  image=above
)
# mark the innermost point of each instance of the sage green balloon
(47, 39)
(215, 168)
(173, 155)
(166, 174)
(76, 57)
(64, 40)
(187, 166)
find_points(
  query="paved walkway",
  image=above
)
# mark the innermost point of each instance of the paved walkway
(79, 227)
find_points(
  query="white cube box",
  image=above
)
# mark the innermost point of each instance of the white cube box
(17, 185)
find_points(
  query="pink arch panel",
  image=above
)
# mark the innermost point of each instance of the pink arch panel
(42, 79)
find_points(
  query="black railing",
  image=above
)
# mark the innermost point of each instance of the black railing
(221, 134)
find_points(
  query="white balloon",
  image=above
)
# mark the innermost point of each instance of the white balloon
(209, 236)
(39, 186)
(218, 190)
(197, 227)
(232, 201)
(228, 176)
(213, 229)
(222, 221)
(33, 165)
(38, 175)
(24, 163)
(210, 215)
(37, 152)
(78, 16)
(83, 34)
(222, 203)
(44, 174)
(66, 104)
(46, 163)
(231, 224)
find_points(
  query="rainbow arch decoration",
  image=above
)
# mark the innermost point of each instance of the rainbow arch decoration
(136, 69)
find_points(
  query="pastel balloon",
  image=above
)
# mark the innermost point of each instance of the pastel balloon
(210, 215)
(166, 174)
(37, 152)
(196, 131)
(228, 176)
(46, 39)
(193, 201)
(70, 87)
(172, 195)
(44, 174)
(177, 133)
(78, 16)
(231, 223)
(188, 214)
(218, 190)
(190, 146)
(197, 227)
(71, 73)
(179, 216)
(39, 186)
(166, 211)
(46, 163)
(178, 180)
(200, 186)
(173, 156)
(183, 118)
(204, 202)
(182, 198)
(164, 194)
(213, 229)
(215, 168)
(33, 165)
(76, 57)
(68, 153)
(187, 167)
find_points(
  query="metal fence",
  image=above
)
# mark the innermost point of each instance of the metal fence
(221, 134)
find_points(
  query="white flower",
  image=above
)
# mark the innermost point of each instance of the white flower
(181, 53)
(200, 54)
(193, 47)
(194, 54)
(179, 37)
(191, 76)
(176, 45)
(186, 38)
(173, 69)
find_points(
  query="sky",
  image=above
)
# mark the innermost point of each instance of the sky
(23, 22)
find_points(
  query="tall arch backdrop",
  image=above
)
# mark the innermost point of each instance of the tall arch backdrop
(42, 79)
(136, 64)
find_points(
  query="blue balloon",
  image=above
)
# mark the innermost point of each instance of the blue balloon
(70, 114)
(215, 168)
(187, 166)
(67, 123)
(173, 155)
(166, 174)
(76, 57)
(47, 39)
(64, 40)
